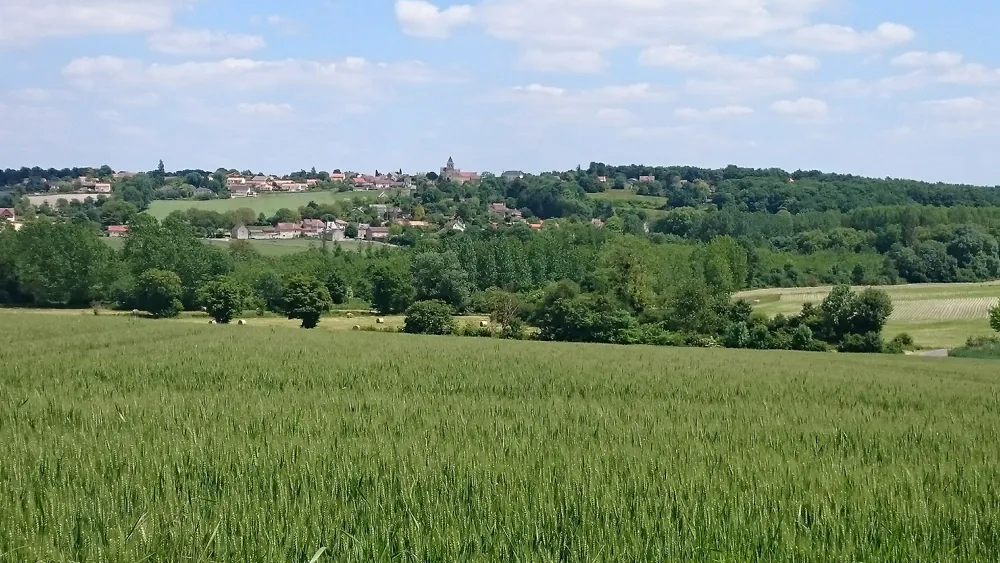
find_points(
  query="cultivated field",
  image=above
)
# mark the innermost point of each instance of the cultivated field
(266, 204)
(134, 440)
(937, 315)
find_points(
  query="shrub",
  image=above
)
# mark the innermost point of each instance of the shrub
(869, 343)
(995, 317)
(429, 317)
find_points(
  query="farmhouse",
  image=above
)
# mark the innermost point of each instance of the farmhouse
(334, 231)
(117, 231)
(313, 227)
(102, 188)
(241, 190)
(262, 233)
(647, 179)
(289, 230)
(240, 232)
(377, 233)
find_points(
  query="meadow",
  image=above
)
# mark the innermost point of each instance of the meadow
(936, 315)
(138, 440)
(266, 204)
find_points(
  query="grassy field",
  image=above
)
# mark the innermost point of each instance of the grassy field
(135, 440)
(266, 204)
(273, 247)
(936, 315)
(630, 196)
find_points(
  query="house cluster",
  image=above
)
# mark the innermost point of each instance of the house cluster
(241, 186)
(8, 216)
(381, 181)
(315, 228)
(93, 185)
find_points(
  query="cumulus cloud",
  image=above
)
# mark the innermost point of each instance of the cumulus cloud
(721, 112)
(923, 59)
(802, 108)
(563, 61)
(700, 60)
(843, 39)
(351, 74)
(966, 105)
(563, 35)
(28, 21)
(204, 42)
(265, 109)
(423, 19)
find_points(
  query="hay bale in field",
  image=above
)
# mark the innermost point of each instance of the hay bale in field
(241, 322)
(484, 324)
(135, 312)
(380, 321)
(212, 322)
(350, 315)
(204, 309)
(357, 327)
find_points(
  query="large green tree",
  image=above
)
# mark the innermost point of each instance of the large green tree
(159, 293)
(224, 299)
(306, 298)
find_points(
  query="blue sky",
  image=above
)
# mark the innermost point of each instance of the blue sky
(889, 88)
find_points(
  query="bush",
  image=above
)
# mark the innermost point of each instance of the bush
(159, 293)
(870, 343)
(977, 341)
(995, 317)
(429, 317)
(900, 343)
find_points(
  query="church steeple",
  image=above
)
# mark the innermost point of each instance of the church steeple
(451, 163)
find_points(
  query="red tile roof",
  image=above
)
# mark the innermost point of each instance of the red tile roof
(118, 229)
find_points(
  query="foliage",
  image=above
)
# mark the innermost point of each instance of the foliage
(429, 317)
(158, 292)
(224, 299)
(392, 287)
(995, 317)
(305, 298)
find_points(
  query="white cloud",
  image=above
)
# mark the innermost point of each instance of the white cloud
(616, 94)
(614, 116)
(29, 21)
(204, 42)
(694, 59)
(285, 25)
(803, 108)
(423, 19)
(721, 112)
(843, 39)
(354, 76)
(923, 59)
(967, 106)
(265, 109)
(563, 61)
(580, 34)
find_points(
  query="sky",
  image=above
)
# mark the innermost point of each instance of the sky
(901, 88)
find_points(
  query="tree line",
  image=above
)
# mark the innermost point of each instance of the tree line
(572, 284)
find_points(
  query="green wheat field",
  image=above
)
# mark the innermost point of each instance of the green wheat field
(130, 440)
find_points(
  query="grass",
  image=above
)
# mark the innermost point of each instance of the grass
(266, 204)
(936, 315)
(129, 440)
(272, 247)
(630, 196)
(985, 352)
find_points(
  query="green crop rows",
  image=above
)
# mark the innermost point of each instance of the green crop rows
(131, 440)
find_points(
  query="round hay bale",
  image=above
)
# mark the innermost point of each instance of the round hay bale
(357, 327)
(135, 312)
(380, 321)
(212, 322)
(350, 315)
(204, 309)
(484, 324)
(242, 322)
